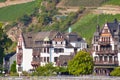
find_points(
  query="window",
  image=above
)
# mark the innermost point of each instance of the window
(55, 50)
(110, 58)
(58, 50)
(105, 58)
(96, 58)
(96, 48)
(115, 46)
(44, 59)
(44, 49)
(47, 50)
(55, 42)
(106, 30)
(101, 59)
(48, 59)
(55, 59)
(115, 58)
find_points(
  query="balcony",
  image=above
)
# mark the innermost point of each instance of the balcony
(36, 53)
(19, 47)
(19, 58)
(107, 52)
(104, 42)
(35, 63)
(108, 63)
(47, 45)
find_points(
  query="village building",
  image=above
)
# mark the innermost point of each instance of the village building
(106, 48)
(38, 49)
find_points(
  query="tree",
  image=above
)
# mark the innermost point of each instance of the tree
(82, 64)
(25, 19)
(5, 42)
(46, 70)
(1, 45)
(13, 67)
(115, 72)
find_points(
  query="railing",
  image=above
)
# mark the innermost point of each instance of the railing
(46, 44)
(104, 42)
(106, 63)
(36, 53)
(19, 57)
(107, 52)
(19, 47)
(35, 63)
(36, 59)
(59, 77)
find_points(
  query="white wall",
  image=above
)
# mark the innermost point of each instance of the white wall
(27, 58)
(119, 58)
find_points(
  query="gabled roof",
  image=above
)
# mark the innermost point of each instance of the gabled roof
(112, 26)
(30, 39)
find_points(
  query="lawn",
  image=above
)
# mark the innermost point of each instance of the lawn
(11, 13)
(86, 26)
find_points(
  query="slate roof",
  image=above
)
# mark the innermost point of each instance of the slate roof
(113, 26)
(63, 59)
(8, 56)
(28, 40)
(31, 38)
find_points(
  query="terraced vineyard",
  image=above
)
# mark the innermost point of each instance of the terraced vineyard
(89, 3)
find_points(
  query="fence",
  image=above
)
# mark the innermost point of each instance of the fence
(62, 78)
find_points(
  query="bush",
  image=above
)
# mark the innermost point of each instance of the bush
(13, 68)
(24, 73)
(47, 70)
(14, 74)
(115, 72)
(25, 19)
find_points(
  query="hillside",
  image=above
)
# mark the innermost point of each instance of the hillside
(11, 13)
(86, 26)
(84, 23)
(79, 3)
(88, 3)
(113, 2)
(2, 0)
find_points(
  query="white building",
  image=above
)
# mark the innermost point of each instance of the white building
(44, 47)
